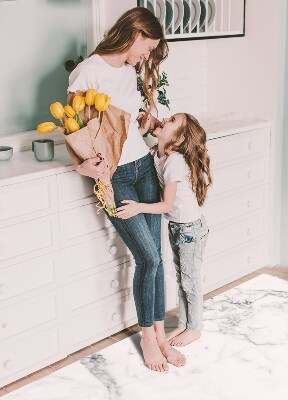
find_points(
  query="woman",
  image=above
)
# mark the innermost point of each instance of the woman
(135, 42)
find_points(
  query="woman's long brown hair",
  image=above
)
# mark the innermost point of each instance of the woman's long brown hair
(122, 35)
(190, 141)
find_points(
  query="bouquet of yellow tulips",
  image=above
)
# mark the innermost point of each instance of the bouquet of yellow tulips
(91, 125)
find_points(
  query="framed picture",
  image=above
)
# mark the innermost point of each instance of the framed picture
(198, 19)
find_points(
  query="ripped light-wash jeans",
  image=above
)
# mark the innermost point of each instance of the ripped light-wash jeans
(188, 242)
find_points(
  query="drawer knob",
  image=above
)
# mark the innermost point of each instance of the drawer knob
(248, 232)
(8, 364)
(249, 259)
(249, 174)
(4, 325)
(3, 289)
(115, 317)
(113, 250)
(115, 284)
(249, 204)
(250, 145)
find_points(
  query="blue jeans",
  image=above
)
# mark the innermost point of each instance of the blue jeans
(188, 242)
(138, 181)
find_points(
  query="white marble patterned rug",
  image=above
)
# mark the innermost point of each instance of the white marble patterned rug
(241, 355)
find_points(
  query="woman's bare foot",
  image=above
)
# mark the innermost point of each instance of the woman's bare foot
(173, 356)
(174, 333)
(153, 356)
(185, 338)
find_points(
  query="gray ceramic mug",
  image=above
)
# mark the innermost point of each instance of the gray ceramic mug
(43, 149)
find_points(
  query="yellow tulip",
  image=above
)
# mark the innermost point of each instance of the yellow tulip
(90, 97)
(71, 125)
(46, 127)
(57, 110)
(78, 103)
(102, 101)
(69, 111)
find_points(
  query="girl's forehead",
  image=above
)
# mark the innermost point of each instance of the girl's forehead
(179, 117)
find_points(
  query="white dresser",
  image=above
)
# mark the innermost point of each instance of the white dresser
(66, 276)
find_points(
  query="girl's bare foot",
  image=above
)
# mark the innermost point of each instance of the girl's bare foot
(173, 356)
(153, 356)
(174, 333)
(185, 338)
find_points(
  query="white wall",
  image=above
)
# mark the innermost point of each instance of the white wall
(36, 38)
(284, 213)
(246, 75)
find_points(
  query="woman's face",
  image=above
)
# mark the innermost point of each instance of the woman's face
(168, 127)
(141, 49)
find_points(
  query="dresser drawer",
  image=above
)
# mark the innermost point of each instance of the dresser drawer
(99, 323)
(30, 239)
(235, 206)
(239, 175)
(28, 314)
(230, 148)
(27, 355)
(27, 200)
(93, 256)
(30, 277)
(81, 224)
(107, 284)
(227, 237)
(74, 190)
(238, 263)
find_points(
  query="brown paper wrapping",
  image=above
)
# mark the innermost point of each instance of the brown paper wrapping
(106, 139)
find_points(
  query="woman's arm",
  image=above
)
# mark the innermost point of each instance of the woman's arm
(133, 208)
(93, 167)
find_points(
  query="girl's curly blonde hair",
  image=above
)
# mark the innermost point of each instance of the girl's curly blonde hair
(190, 141)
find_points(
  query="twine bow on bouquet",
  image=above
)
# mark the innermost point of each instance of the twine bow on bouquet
(92, 126)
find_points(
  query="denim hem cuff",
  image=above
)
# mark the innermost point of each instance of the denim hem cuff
(147, 325)
(194, 328)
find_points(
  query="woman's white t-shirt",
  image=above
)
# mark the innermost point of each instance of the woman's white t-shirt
(121, 85)
(173, 168)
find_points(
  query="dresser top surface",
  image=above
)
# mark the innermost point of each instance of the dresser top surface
(23, 166)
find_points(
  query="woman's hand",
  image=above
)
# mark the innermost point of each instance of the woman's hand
(147, 122)
(93, 167)
(131, 209)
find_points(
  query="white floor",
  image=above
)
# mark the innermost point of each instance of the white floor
(242, 355)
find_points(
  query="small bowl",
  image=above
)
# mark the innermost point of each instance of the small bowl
(6, 152)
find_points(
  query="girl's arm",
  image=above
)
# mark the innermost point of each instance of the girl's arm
(133, 208)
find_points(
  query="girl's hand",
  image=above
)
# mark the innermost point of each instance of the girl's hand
(131, 209)
(93, 167)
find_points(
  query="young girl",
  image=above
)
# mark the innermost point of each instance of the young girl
(182, 166)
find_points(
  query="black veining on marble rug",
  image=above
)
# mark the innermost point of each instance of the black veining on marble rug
(97, 365)
(230, 309)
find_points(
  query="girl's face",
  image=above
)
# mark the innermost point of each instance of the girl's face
(166, 131)
(141, 49)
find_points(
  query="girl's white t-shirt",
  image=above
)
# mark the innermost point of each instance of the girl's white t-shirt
(121, 85)
(173, 168)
